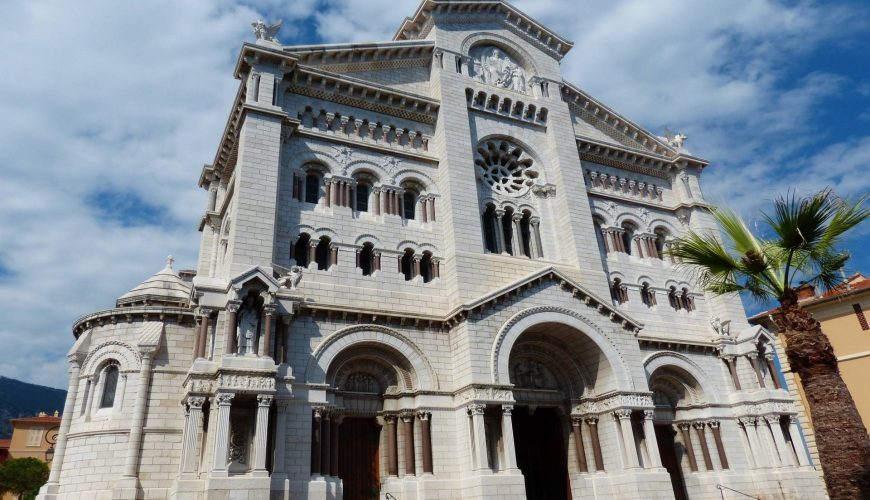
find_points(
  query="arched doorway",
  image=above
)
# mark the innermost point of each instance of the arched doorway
(549, 366)
(678, 396)
(362, 378)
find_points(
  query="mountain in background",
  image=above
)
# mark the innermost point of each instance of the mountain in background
(20, 399)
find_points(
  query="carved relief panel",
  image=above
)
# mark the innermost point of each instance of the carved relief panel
(493, 66)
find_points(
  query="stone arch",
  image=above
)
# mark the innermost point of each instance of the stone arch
(645, 278)
(614, 369)
(368, 238)
(416, 177)
(657, 223)
(358, 167)
(374, 336)
(325, 162)
(629, 217)
(126, 355)
(317, 232)
(504, 43)
(683, 369)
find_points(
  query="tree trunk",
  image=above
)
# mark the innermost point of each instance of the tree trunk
(844, 447)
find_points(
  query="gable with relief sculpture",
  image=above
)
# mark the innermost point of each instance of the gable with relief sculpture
(493, 66)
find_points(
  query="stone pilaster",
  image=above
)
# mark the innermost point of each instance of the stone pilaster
(222, 433)
(264, 403)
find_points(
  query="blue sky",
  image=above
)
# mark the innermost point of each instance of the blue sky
(110, 109)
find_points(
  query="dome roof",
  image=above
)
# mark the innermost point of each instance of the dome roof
(166, 287)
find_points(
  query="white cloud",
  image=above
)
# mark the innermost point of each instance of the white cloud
(131, 97)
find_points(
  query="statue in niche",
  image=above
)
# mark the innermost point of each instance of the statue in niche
(494, 67)
(248, 326)
(529, 374)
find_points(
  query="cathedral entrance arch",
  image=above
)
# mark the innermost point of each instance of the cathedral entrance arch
(356, 435)
(551, 364)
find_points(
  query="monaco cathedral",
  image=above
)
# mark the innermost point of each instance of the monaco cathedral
(431, 268)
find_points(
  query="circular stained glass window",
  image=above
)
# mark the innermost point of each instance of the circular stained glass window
(505, 167)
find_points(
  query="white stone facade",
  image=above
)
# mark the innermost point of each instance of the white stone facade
(484, 309)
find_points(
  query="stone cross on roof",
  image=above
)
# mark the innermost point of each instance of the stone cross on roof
(169, 261)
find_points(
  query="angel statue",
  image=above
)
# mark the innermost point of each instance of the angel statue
(267, 33)
(675, 140)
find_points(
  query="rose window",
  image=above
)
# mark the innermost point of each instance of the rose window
(505, 168)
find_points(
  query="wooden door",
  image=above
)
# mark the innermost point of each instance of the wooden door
(358, 465)
(668, 453)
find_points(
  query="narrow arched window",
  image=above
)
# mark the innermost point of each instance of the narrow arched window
(426, 267)
(321, 254)
(300, 250)
(627, 237)
(526, 233)
(366, 259)
(312, 188)
(110, 386)
(361, 204)
(409, 204)
(490, 239)
(407, 264)
(661, 237)
(507, 225)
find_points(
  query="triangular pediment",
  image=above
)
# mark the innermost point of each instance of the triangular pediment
(255, 276)
(417, 26)
(584, 297)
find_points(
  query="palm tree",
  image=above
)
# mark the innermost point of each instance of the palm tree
(805, 233)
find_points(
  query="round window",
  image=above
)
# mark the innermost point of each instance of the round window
(504, 167)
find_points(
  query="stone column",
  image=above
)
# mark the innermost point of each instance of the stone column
(426, 440)
(623, 416)
(536, 236)
(649, 433)
(134, 441)
(315, 441)
(408, 438)
(197, 336)
(312, 251)
(230, 330)
(377, 193)
(687, 443)
(499, 232)
(755, 449)
(507, 433)
(783, 453)
(519, 249)
(90, 388)
(592, 423)
(203, 333)
(392, 452)
(222, 434)
(753, 360)
(189, 456)
(796, 441)
(705, 450)
(771, 368)
(69, 405)
(416, 269)
(264, 402)
(480, 455)
(720, 449)
(326, 443)
(424, 213)
(330, 193)
(768, 441)
(333, 453)
(432, 209)
(280, 437)
(269, 313)
(578, 444)
(732, 369)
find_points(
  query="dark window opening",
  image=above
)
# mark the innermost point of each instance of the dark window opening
(409, 202)
(490, 239)
(426, 267)
(526, 233)
(300, 250)
(110, 384)
(366, 258)
(312, 188)
(407, 264)
(321, 254)
(507, 225)
(362, 197)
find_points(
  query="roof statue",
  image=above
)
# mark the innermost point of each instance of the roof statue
(266, 33)
(675, 140)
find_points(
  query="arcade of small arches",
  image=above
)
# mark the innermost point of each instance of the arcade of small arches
(628, 239)
(679, 298)
(321, 253)
(364, 193)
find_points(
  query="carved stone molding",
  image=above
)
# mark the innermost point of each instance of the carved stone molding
(494, 394)
(245, 382)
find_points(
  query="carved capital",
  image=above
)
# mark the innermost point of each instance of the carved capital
(195, 401)
(476, 409)
(390, 419)
(699, 425)
(233, 305)
(264, 399)
(507, 410)
(534, 220)
(622, 413)
(714, 424)
(684, 425)
(424, 415)
(591, 419)
(225, 398)
(648, 414)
